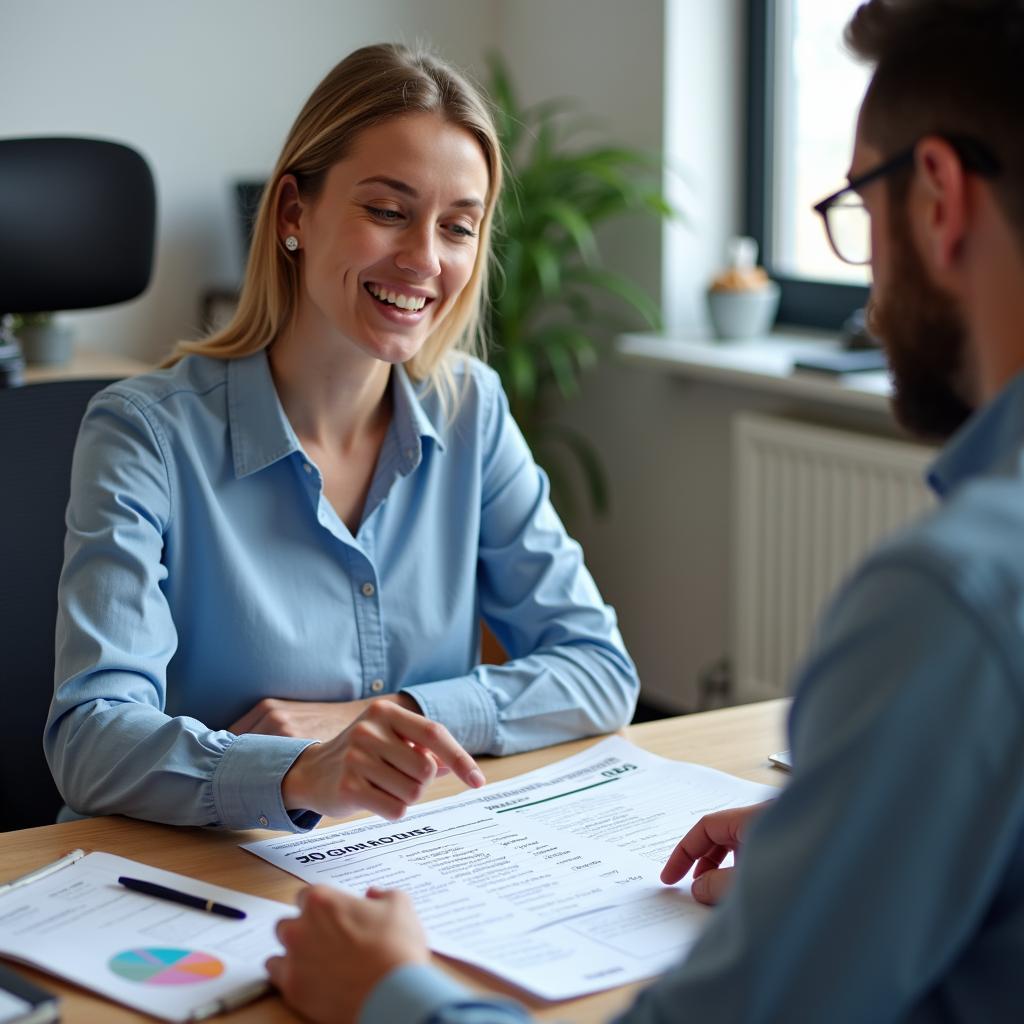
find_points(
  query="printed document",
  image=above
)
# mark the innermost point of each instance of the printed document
(165, 959)
(549, 880)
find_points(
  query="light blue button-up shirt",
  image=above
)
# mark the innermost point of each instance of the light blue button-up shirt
(886, 883)
(205, 570)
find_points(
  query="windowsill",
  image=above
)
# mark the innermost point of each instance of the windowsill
(762, 364)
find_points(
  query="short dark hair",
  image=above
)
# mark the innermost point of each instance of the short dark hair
(947, 67)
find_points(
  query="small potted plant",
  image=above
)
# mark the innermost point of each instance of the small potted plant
(42, 339)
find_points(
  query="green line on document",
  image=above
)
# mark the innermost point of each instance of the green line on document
(593, 785)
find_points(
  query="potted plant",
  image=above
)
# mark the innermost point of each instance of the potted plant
(42, 338)
(547, 319)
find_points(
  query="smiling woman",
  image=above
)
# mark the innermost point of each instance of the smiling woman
(385, 257)
(281, 546)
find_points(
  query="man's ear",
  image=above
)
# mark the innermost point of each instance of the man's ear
(940, 211)
(289, 207)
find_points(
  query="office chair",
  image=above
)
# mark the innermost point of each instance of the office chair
(38, 427)
(77, 227)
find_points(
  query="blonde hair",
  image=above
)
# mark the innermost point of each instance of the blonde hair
(370, 86)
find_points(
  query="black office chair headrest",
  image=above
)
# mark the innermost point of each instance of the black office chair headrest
(77, 224)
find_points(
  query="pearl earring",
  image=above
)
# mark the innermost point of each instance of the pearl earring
(291, 243)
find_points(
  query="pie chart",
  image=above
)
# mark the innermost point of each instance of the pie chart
(158, 966)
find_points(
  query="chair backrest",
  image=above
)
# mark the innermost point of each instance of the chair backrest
(38, 427)
(77, 224)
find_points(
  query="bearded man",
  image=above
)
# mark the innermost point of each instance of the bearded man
(886, 882)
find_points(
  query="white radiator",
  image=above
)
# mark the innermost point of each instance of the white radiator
(809, 501)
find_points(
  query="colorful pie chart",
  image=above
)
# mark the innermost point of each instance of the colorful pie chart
(166, 966)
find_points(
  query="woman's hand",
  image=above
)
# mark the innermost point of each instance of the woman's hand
(308, 719)
(706, 845)
(382, 762)
(340, 946)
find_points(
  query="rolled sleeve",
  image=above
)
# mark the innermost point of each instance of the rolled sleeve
(247, 784)
(463, 706)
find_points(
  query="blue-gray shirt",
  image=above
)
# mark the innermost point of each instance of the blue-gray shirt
(886, 883)
(204, 570)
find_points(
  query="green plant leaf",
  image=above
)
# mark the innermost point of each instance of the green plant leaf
(620, 286)
(578, 346)
(521, 383)
(508, 119)
(563, 368)
(575, 225)
(546, 265)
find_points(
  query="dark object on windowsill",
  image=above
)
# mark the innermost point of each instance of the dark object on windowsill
(855, 336)
(844, 361)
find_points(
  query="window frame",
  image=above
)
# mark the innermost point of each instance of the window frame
(803, 302)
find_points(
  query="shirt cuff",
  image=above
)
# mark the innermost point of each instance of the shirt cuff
(411, 993)
(247, 784)
(464, 706)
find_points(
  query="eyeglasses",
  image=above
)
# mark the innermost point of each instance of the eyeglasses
(847, 223)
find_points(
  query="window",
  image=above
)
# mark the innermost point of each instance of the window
(803, 94)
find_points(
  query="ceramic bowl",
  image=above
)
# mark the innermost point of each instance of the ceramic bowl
(746, 314)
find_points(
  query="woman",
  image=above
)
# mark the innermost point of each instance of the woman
(291, 533)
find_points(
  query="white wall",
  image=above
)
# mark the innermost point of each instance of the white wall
(206, 90)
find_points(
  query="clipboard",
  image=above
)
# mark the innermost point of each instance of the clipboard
(73, 920)
(24, 1002)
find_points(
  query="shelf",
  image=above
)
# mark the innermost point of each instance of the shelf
(86, 364)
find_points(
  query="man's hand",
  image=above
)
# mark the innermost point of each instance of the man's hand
(308, 719)
(340, 946)
(382, 762)
(706, 845)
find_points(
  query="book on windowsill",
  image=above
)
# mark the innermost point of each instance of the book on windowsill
(836, 363)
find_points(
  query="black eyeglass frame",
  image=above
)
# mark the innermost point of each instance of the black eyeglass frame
(975, 156)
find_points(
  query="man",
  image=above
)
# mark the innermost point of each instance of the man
(887, 881)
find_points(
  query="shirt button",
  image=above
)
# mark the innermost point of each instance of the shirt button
(307, 467)
(369, 590)
(410, 453)
(377, 685)
(263, 820)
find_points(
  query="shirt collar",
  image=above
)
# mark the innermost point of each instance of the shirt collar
(261, 433)
(991, 441)
(412, 421)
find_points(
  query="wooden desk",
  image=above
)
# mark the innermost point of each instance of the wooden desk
(85, 364)
(736, 740)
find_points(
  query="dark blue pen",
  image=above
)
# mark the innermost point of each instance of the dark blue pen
(186, 899)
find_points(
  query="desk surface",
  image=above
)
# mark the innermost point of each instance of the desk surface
(736, 740)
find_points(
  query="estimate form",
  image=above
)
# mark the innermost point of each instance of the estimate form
(549, 880)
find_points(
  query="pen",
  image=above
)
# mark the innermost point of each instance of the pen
(47, 869)
(187, 899)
